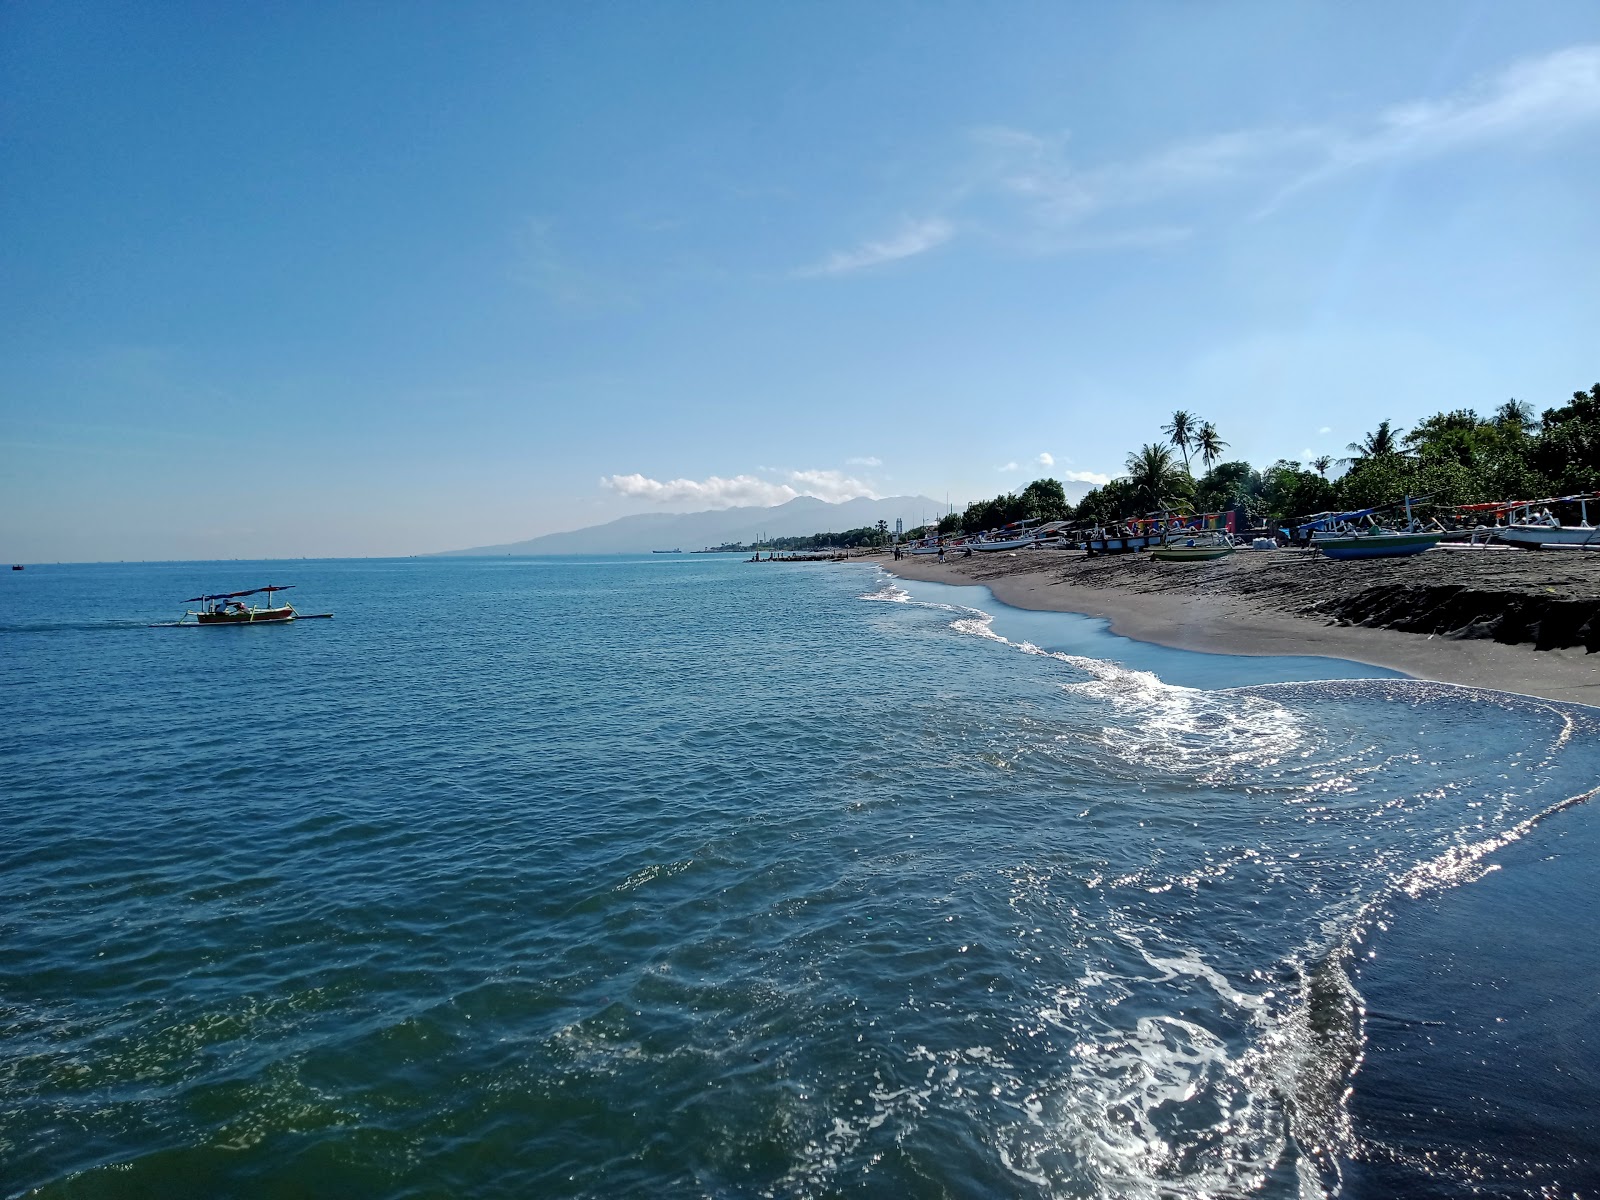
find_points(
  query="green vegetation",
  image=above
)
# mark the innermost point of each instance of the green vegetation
(866, 537)
(1455, 457)
(1452, 458)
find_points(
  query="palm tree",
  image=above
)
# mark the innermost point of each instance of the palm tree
(1514, 416)
(1208, 444)
(1322, 462)
(1382, 442)
(1156, 479)
(1181, 432)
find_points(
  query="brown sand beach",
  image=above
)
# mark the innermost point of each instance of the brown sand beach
(1515, 620)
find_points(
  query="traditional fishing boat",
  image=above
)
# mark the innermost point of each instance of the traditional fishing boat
(1358, 535)
(1533, 530)
(1202, 548)
(1010, 537)
(228, 608)
(1373, 543)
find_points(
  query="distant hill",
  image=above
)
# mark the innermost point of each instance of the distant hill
(800, 517)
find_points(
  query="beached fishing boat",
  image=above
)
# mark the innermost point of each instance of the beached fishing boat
(1378, 543)
(1358, 535)
(1011, 537)
(1533, 530)
(1196, 549)
(228, 608)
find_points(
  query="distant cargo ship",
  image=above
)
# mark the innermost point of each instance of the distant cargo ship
(666, 552)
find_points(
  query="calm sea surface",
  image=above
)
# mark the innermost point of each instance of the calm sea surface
(677, 876)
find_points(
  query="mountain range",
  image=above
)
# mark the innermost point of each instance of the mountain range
(800, 517)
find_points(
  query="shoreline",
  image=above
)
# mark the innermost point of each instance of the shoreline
(1215, 622)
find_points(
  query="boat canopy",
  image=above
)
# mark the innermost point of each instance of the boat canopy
(1325, 520)
(271, 587)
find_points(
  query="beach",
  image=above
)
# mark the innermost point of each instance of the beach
(1517, 621)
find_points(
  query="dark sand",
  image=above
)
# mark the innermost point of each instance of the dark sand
(1466, 617)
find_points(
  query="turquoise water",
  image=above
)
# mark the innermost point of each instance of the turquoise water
(686, 877)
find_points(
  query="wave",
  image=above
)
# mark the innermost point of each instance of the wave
(1279, 1100)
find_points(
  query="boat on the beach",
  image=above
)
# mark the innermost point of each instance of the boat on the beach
(1377, 543)
(1359, 535)
(1202, 548)
(1532, 530)
(228, 608)
(1009, 537)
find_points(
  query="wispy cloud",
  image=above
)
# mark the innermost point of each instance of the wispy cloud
(868, 460)
(1008, 468)
(539, 261)
(716, 491)
(1027, 191)
(913, 238)
(1086, 477)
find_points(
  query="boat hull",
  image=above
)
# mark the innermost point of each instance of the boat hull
(1014, 544)
(251, 616)
(1118, 544)
(1534, 536)
(1377, 545)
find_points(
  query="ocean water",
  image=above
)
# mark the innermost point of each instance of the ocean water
(678, 876)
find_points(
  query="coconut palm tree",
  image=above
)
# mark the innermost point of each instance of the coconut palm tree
(1156, 478)
(1321, 463)
(1208, 445)
(1180, 430)
(1382, 442)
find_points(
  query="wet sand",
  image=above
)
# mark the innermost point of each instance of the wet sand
(1464, 617)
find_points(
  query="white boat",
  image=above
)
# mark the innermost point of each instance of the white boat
(1006, 544)
(1012, 537)
(1535, 530)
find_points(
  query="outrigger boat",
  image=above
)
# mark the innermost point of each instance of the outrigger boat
(1010, 537)
(1533, 530)
(1196, 549)
(228, 608)
(1339, 536)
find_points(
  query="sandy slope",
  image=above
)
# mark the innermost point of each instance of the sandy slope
(1519, 621)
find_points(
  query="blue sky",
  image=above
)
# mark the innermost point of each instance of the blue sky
(303, 279)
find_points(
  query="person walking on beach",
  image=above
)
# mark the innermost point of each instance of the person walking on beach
(941, 549)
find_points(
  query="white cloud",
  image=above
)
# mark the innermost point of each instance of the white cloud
(1010, 466)
(832, 486)
(868, 460)
(716, 491)
(1531, 98)
(915, 237)
(1026, 190)
(1093, 477)
(1326, 429)
(1045, 459)
(713, 492)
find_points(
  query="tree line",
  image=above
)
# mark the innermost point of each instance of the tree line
(1452, 458)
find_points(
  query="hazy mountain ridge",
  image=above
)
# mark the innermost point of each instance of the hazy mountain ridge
(800, 517)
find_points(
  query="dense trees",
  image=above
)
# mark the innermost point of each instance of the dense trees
(1450, 458)
(1454, 457)
(1041, 500)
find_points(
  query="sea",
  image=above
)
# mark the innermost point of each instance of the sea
(682, 876)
